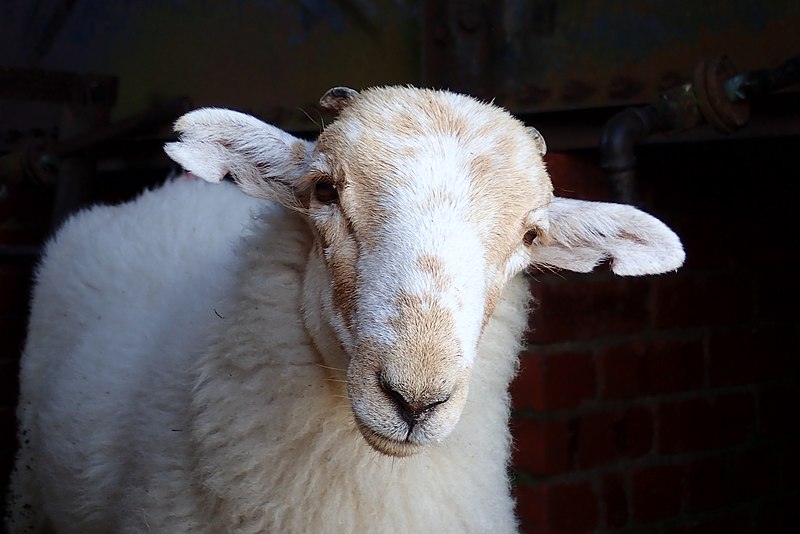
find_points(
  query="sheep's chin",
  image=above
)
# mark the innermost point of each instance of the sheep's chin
(387, 446)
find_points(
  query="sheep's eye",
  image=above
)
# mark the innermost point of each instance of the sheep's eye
(530, 236)
(325, 191)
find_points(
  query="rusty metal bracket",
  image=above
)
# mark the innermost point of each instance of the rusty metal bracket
(723, 113)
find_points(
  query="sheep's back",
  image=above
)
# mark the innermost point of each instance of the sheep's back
(124, 295)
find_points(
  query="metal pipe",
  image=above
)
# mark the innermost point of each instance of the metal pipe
(617, 140)
(756, 83)
(717, 96)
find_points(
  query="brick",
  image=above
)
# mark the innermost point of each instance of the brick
(687, 299)
(548, 381)
(791, 460)
(657, 492)
(759, 472)
(589, 307)
(595, 441)
(615, 500)
(577, 176)
(647, 368)
(776, 408)
(634, 431)
(728, 522)
(751, 355)
(605, 437)
(710, 244)
(542, 446)
(530, 507)
(705, 423)
(568, 508)
(709, 484)
(775, 292)
(779, 514)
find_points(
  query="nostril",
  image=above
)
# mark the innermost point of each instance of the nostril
(407, 409)
(410, 411)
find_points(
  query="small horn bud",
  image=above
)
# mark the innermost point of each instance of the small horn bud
(541, 146)
(337, 99)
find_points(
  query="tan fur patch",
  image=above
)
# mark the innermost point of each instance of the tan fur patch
(493, 295)
(298, 153)
(435, 267)
(341, 258)
(343, 280)
(426, 335)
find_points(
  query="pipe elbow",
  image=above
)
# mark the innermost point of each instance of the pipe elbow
(619, 135)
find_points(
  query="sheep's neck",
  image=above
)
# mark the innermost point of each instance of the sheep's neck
(317, 310)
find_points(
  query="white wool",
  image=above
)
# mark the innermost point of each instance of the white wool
(187, 421)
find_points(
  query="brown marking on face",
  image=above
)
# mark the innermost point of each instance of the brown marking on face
(426, 336)
(408, 152)
(340, 253)
(507, 182)
(482, 165)
(443, 117)
(364, 174)
(297, 153)
(405, 126)
(435, 267)
(343, 282)
(486, 130)
(493, 295)
(439, 198)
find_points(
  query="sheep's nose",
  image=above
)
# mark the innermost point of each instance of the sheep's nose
(411, 409)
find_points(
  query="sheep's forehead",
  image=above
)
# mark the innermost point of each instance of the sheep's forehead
(402, 154)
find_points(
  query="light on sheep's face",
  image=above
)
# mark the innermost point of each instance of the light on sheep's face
(422, 212)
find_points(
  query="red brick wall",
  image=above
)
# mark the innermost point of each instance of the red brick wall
(661, 404)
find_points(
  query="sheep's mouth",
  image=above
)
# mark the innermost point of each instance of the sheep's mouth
(387, 446)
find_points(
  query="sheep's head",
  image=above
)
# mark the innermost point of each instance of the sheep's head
(423, 205)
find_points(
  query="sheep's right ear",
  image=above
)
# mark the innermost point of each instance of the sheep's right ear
(264, 160)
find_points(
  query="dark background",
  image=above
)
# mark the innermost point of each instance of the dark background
(658, 404)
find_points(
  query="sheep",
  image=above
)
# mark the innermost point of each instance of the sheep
(329, 352)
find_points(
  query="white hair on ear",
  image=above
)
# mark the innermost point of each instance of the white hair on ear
(264, 160)
(582, 234)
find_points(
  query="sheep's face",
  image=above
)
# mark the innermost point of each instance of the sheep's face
(423, 204)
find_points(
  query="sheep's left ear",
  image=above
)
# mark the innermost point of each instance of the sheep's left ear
(264, 160)
(581, 234)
